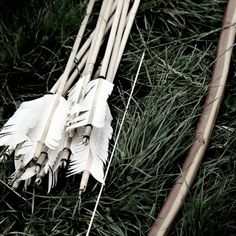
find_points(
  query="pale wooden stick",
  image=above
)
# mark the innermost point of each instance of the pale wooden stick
(88, 42)
(85, 175)
(79, 69)
(83, 60)
(96, 43)
(75, 47)
(126, 34)
(119, 34)
(111, 39)
(193, 160)
(81, 53)
(96, 33)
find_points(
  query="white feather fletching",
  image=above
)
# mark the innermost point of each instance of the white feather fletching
(16, 128)
(35, 133)
(93, 156)
(24, 153)
(52, 179)
(53, 172)
(54, 160)
(53, 156)
(24, 129)
(58, 124)
(29, 121)
(29, 172)
(27, 183)
(77, 90)
(92, 108)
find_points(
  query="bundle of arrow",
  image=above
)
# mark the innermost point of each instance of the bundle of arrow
(71, 126)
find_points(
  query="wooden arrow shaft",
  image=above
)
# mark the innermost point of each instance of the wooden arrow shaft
(75, 48)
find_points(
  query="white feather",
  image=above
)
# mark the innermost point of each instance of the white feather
(16, 128)
(27, 183)
(92, 108)
(35, 133)
(93, 156)
(7, 153)
(52, 166)
(29, 172)
(54, 156)
(25, 128)
(58, 123)
(52, 179)
(29, 121)
(77, 90)
(24, 153)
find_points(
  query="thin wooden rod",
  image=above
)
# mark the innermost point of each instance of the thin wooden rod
(126, 34)
(81, 56)
(99, 34)
(75, 48)
(119, 34)
(111, 38)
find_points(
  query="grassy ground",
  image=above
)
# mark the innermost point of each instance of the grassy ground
(180, 39)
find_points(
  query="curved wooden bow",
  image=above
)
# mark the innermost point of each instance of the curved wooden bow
(212, 103)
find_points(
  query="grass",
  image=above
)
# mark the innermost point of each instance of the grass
(180, 39)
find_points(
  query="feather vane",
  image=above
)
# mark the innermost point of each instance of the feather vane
(16, 128)
(93, 156)
(92, 109)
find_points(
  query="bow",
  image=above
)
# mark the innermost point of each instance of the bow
(205, 126)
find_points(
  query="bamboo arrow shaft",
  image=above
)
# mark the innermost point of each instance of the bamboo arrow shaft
(111, 39)
(84, 59)
(91, 56)
(64, 78)
(99, 34)
(122, 24)
(206, 124)
(126, 34)
(81, 56)
(95, 46)
(76, 45)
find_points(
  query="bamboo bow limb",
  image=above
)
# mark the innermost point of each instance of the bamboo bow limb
(205, 127)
